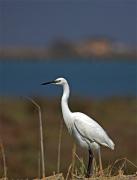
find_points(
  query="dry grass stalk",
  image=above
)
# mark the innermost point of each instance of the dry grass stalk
(68, 173)
(59, 146)
(53, 177)
(73, 158)
(39, 165)
(41, 135)
(4, 160)
(124, 161)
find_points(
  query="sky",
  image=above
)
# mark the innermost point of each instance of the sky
(37, 23)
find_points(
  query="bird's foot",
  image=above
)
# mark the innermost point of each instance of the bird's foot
(101, 173)
(88, 175)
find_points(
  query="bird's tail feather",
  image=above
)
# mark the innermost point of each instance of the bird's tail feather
(111, 144)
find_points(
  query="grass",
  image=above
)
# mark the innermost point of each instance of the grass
(19, 130)
(42, 159)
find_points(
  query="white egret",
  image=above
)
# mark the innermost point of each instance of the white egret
(87, 132)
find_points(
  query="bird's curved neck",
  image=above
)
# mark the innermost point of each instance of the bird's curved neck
(64, 105)
(66, 92)
(64, 100)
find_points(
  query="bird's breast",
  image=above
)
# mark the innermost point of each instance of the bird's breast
(79, 140)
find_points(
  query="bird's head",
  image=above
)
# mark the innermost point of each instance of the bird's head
(58, 81)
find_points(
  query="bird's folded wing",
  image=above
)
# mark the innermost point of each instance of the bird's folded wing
(91, 131)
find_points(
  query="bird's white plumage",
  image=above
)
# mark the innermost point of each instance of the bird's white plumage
(87, 132)
(91, 132)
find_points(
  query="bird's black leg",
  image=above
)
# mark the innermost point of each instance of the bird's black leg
(89, 169)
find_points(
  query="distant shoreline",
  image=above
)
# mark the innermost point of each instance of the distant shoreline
(91, 48)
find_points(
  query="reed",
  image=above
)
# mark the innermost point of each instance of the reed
(41, 135)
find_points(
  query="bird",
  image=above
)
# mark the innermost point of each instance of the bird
(85, 130)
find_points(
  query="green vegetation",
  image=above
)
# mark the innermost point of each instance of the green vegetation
(19, 131)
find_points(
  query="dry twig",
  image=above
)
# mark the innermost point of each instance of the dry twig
(59, 146)
(41, 135)
(4, 160)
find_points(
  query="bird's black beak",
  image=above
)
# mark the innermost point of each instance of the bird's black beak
(50, 82)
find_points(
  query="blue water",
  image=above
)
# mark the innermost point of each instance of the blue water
(86, 78)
